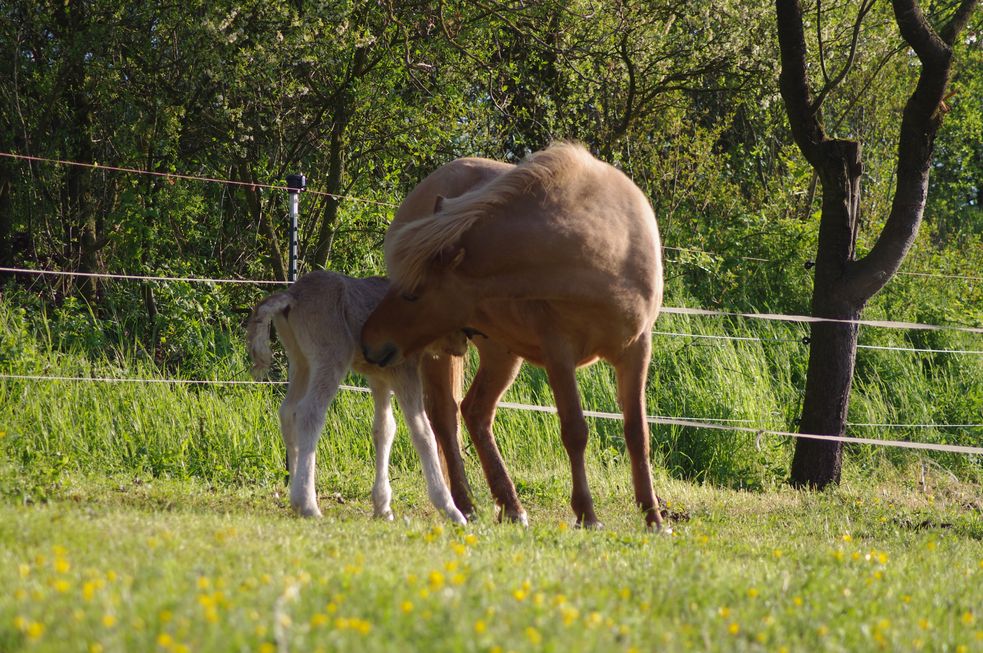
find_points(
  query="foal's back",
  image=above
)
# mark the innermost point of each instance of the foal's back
(327, 315)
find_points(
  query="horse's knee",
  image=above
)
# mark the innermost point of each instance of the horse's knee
(573, 432)
(477, 417)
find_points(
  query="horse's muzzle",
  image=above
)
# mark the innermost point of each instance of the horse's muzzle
(383, 356)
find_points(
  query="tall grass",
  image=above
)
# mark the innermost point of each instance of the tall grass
(230, 434)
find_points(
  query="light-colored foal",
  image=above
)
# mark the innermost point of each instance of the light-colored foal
(318, 320)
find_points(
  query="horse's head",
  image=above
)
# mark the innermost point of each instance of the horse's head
(407, 321)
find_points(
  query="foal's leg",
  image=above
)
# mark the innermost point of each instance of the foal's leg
(410, 395)
(497, 370)
(308, 417)
(561, 371)
(632, 372)
(299, 376)
(437, 374)
(383, 431)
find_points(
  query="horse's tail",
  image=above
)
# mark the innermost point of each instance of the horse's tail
(258, 331)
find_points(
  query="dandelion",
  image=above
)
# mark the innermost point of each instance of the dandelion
(458, 579)
(480, 626)
(562, 526)
(108, 620)
(406, 607)
(62, 566)
(519, 594)
(34, 630)
(847, 537)
(797, 600)
(559, 599)
(734, 628)
(569, 615)
(931, 545)
(470, 539)
(164, 640)
(968, 618)
(777, 553)
(95, 647)
(924, 624)
(267, 647)
(436, 580)
(165, 616)
(61, 586)
(594, 619)
(822, 631)
(24, 569)
(752, 593)
(534, 636)
(458, 548)
(724, 613)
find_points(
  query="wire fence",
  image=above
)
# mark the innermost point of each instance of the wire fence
(736, 425)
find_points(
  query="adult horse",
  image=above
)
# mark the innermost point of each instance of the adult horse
(556, 261)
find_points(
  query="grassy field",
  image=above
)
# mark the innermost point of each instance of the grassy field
(130, 564)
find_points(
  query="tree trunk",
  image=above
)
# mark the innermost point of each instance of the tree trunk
(843, 286)
(6, 216)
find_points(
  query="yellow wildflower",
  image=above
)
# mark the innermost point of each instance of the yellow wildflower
(968, 618)
(436, 580)
(108, 620)
(406, 607)
(534, 636)
(164, 640)
(34, 630)
(752, 592)
(734, 628)
(480, 626)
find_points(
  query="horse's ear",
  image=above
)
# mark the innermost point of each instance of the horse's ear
(450, 257)
(438, 203)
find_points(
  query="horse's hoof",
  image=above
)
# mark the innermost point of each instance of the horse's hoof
(589, 525)
(514, 517)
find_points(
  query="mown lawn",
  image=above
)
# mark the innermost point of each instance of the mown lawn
(127, 564)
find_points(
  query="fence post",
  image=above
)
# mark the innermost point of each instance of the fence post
(295, 185)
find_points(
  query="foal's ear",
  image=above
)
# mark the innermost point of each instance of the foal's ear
(438, 204)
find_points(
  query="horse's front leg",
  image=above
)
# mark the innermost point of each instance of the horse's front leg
(497, 370)
(440, 375)
(632, 372)
(561, 370)
(383, 431)
(410, 396)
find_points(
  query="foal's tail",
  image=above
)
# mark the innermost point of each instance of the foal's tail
(258, 331)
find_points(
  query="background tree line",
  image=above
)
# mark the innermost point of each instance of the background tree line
(366, 98)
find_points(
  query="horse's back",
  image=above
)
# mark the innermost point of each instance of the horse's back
(450, 180)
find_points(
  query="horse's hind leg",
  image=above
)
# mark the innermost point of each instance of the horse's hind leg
(496, 370)
(308, 418)
(410, 396)
(383, 431)
(632, 371)
(437, 375)
(573, 429)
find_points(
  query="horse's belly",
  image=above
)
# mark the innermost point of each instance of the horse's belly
(524, 327)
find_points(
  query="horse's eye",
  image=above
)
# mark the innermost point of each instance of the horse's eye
(409, 297)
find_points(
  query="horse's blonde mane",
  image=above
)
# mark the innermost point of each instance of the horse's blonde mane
(410, 248)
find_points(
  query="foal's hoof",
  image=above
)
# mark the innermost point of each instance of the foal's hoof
(384, 515)
(310, 512)
(589, 525)
(455, 516)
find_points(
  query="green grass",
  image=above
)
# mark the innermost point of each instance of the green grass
(122, 564)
